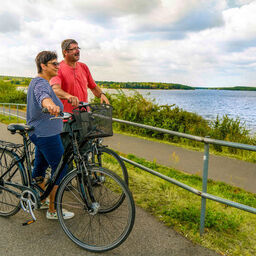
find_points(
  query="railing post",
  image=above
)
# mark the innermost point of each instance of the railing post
(204, 189)
(9, 111)
(17, 113)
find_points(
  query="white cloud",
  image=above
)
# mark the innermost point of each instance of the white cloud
(195, 42)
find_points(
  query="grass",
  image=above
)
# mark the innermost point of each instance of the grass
(9, 120)
(228, 231)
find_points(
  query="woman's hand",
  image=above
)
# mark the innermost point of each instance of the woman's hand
(51, 107)
(53, 110)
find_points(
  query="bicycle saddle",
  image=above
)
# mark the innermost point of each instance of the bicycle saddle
(13, 128)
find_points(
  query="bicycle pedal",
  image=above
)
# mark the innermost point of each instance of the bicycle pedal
(28, 222)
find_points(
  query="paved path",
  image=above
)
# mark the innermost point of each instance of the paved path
(235, 172)
(149, 237)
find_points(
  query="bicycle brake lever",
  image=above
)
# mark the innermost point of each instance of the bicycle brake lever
(56, 117)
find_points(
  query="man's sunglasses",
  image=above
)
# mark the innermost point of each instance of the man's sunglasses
(74, 49)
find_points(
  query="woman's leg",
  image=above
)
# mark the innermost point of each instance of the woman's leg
(40, 163)
(52, 150)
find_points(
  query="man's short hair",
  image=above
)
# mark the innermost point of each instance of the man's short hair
(43, 57)
(66, 43)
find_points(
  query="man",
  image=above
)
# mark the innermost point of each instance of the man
(74, 78)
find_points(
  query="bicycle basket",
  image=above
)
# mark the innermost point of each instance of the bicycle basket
(93, 121)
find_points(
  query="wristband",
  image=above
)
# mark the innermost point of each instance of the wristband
(102, 93)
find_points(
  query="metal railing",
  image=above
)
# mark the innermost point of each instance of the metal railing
(13, 109)
(207, 141)
(204, 195)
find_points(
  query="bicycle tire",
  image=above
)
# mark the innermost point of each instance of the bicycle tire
(100, 231)
(9, 203)
(111, 160)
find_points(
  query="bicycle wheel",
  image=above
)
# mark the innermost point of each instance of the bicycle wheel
(109, 159)
(97, 231)
(9, 173)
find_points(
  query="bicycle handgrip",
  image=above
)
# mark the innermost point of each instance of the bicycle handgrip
(81, 103)
(45, 110)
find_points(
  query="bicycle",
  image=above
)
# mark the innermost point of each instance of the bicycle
(95, 153)
(102, 202)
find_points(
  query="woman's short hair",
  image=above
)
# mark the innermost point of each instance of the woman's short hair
(43, 57)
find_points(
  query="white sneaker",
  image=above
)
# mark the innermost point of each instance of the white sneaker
(54, 216)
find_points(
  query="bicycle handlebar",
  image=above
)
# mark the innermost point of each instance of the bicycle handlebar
(65, 115)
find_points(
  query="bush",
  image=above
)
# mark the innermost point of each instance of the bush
(229, 129)
(10, 94)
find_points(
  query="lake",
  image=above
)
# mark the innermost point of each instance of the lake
(209, 103)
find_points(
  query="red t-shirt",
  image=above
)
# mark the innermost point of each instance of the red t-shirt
(74, 81)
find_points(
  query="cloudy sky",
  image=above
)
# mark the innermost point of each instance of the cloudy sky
(195, 42)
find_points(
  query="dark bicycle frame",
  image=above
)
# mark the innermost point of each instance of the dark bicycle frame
(71, 152)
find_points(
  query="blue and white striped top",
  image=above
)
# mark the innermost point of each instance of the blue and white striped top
(39, 89)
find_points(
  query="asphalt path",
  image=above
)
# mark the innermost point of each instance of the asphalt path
(231, 171)
(45, 237)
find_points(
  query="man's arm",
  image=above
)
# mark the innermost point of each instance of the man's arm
(64, 95)
(98, 93)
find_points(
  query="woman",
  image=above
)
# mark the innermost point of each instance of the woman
(46, 135)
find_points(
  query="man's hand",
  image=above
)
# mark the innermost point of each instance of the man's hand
(73, 100)
(103, 99)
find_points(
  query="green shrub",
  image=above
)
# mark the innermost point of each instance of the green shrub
(10, 94)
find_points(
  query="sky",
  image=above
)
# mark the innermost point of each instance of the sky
(207, 43)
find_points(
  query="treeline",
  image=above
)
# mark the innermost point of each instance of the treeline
(18, 81)
(24, 81)
(142, 85)
(235, 88)
(240, 88)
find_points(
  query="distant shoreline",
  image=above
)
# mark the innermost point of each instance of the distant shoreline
(24, 82)
(235, 88)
